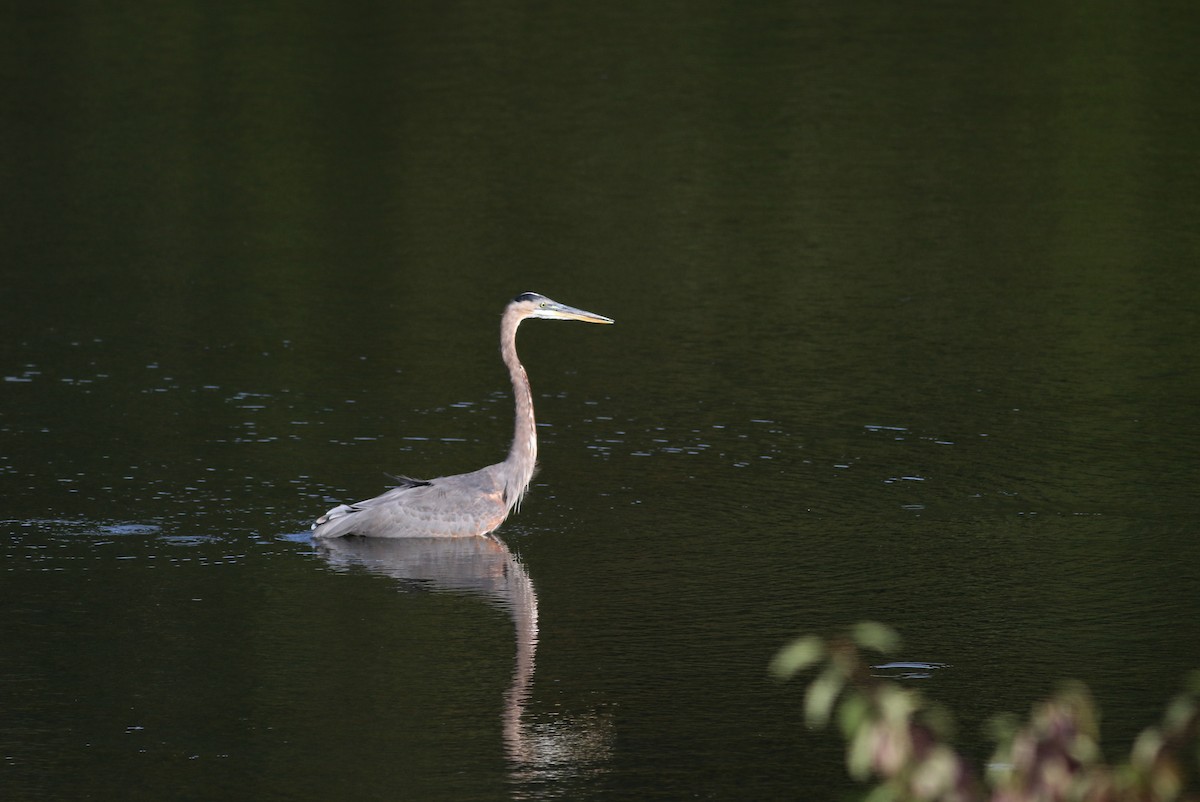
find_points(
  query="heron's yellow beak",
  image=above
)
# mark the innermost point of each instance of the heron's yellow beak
(557, 311)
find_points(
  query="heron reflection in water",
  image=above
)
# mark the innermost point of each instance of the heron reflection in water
(565, 745)
(466, 504)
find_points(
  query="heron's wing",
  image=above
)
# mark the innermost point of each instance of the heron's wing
(403, 481)
(461, 505)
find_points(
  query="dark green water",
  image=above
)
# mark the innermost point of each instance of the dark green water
(907, 327)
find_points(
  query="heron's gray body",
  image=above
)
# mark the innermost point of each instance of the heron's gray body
(450, 506)
(466, 504)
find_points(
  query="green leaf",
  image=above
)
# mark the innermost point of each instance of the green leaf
(883, 793)
(797, 656)
(822, 693)
(1003, 727)
(1146, 748)
(852, 713)
(873, 635)
(1181, 712)
(897, 703)
(860, 753)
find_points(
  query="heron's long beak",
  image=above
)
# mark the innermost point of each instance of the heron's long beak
(563, 312)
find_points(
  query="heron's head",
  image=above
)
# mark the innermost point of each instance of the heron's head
(530, 304)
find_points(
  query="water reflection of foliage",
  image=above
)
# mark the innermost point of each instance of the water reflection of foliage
(897, 737)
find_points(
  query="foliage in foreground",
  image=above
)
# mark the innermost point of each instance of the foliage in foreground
(898, 739)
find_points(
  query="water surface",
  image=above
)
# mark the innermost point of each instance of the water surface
(906, 324)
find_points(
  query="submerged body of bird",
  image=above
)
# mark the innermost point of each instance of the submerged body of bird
(465, 504)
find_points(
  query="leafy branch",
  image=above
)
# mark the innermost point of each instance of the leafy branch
(900, 740)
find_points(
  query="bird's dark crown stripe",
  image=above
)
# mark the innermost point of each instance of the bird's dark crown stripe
(527, 296)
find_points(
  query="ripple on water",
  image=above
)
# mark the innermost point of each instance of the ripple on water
(54, 545)
(129, 529)
(907, 669)
(75, 528)
(189, 540)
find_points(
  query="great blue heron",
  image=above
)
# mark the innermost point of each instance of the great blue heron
(465, 504)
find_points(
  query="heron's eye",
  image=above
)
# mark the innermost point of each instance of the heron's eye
(543, 305)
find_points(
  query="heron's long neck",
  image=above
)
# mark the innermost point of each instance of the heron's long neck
(523, 455)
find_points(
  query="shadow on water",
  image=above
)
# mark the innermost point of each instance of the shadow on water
(537, 751)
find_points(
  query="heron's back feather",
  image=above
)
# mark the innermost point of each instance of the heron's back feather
(448, 506)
